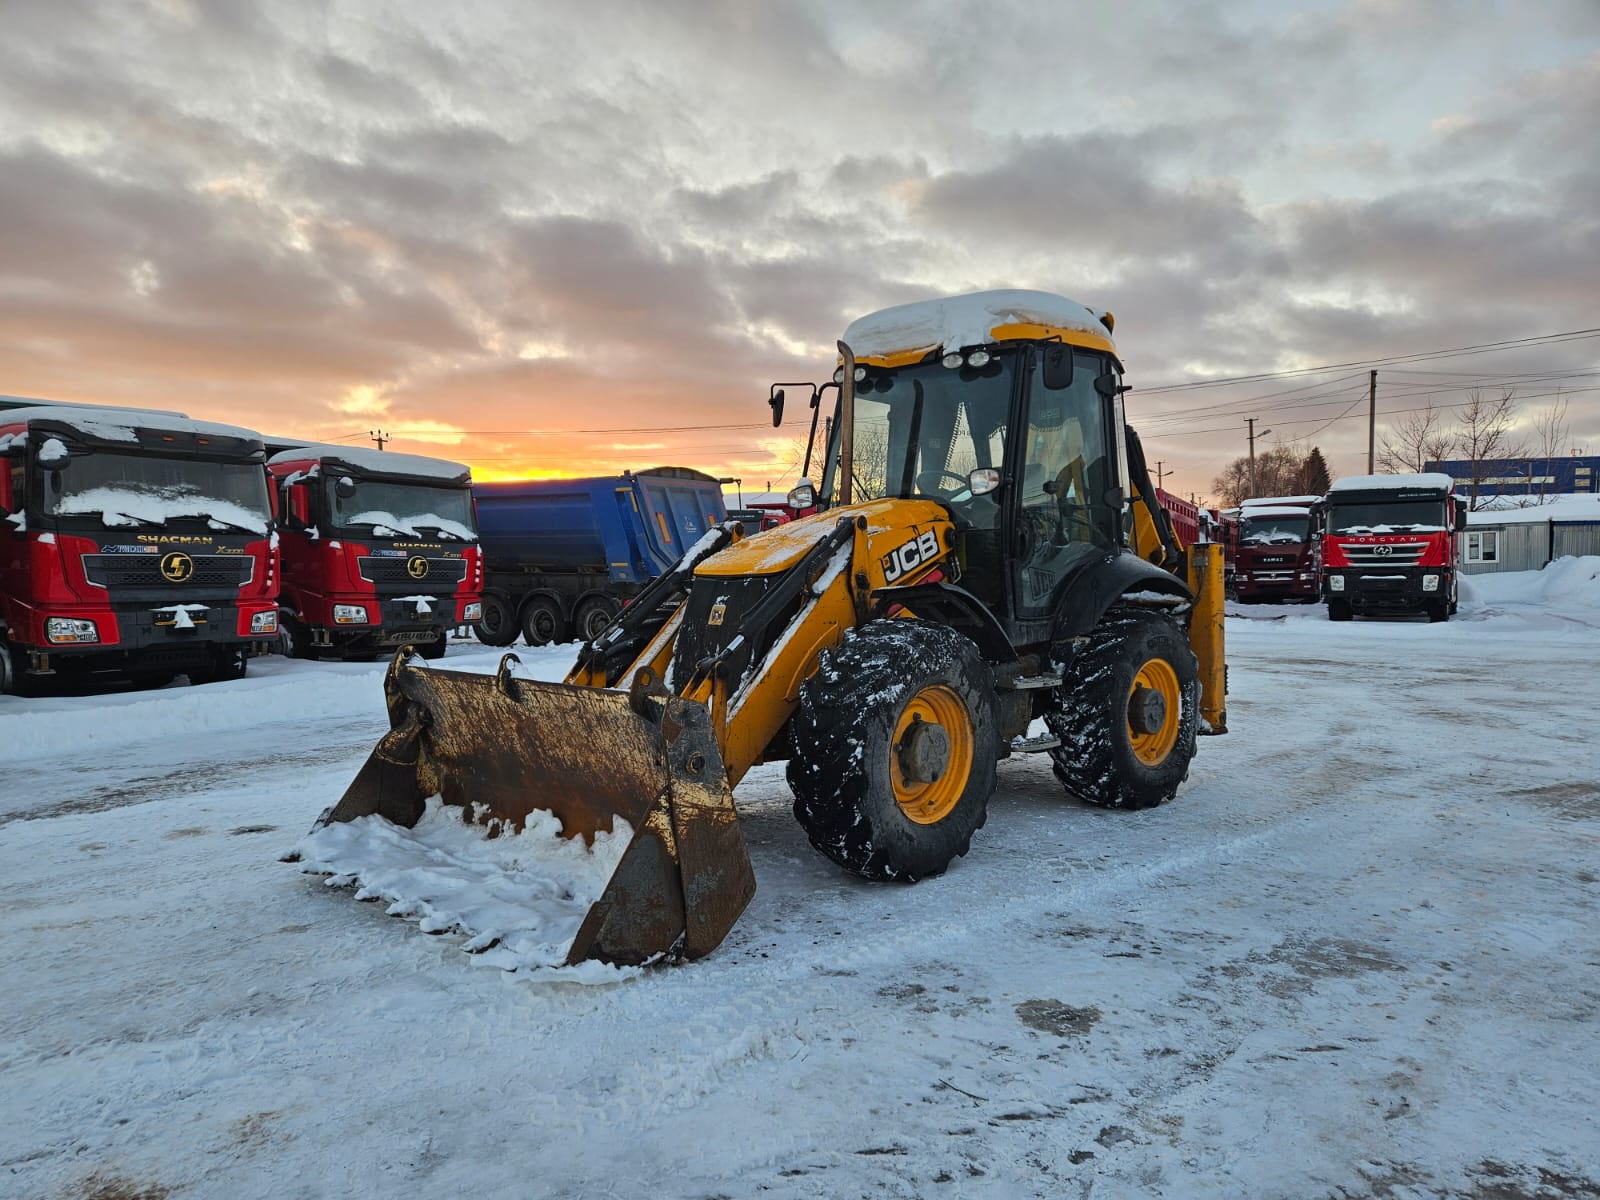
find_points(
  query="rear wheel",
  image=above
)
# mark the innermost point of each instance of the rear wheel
(498, 625)
(541, 621)
(1339, 610)
(592, 617)
(894, 749)
(1126, 712)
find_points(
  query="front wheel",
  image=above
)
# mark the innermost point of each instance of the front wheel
(229, 662)
(1126, 712)
(1340, 610)
(894, 749)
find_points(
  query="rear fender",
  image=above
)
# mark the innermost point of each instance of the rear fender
(1101, 584)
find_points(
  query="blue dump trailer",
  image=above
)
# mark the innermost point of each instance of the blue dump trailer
(560, 556)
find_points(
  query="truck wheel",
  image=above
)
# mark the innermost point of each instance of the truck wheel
(230, 662)
(542, 622)
(434, 649)
(894, 749)
(592, 617)
(1339, 610)
(1437, 610)
(1126, 712)
(12, 681)
(498, 625)
(294, 639)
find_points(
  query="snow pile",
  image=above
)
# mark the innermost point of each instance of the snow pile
(969, 320)
(130, 506)
(519, 898)
(387, 524)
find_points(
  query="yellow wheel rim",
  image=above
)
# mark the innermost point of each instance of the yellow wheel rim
(929, 802)
(1153, 747)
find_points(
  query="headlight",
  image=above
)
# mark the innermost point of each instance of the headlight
(838, 375)
(70, 629)
(349, 614)
(1336, 583)
(472, 612)
(951, 360)
(978, 358)
(1430, 583)
(265, 622)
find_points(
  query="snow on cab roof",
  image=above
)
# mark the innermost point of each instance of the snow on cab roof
(956, 321)
(118, 424)
(1268, 511)
(1280, 501)
(382, 461)
(1392, 483)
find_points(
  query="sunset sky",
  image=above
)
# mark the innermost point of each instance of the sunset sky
(571, 238)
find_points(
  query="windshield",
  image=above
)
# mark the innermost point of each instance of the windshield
(920, 430)
(1387, 516)
(404, 510)
(133, 490)
(1272, 531)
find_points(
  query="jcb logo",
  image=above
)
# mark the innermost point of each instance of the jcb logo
(417, 567)
(177, 567)
(908, 557)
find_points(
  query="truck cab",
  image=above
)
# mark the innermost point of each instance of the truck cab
(1276, 555)
(380, 550)
(132, 543)
(1390, 545)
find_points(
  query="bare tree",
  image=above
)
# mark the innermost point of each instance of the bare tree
(1280, 471)
(1411, 445)
(1486, 435)
(1550, 427)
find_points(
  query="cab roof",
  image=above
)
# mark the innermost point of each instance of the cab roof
(907, 333)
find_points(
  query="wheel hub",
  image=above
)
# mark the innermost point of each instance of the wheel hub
(924, 752)
(1147, 710)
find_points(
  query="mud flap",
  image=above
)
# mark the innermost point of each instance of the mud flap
(499, 747)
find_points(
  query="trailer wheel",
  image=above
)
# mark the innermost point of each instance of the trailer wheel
(541, 621)
(498, 625)
(894, 749)
(1127, 711)
(592, 617)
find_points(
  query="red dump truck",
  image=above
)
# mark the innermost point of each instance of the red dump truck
(1277, 555)
(1391, 545)
(379, 550)
(132, 543)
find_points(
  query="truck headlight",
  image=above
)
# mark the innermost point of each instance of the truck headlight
(1430, 583)
(265, 622)
(70, 629)
(1336, 583)
(472, 612)
(349, 614)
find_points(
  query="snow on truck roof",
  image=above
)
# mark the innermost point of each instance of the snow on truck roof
(1281, 502)
(384, 462)
(119, 424)
(1434, 481)
(971, 320)
(1267, 512)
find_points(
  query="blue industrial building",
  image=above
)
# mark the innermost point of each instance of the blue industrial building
(1526, 476)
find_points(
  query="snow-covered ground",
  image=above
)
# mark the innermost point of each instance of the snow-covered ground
(1358, 956)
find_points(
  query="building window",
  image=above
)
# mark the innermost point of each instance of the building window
(1483, 545)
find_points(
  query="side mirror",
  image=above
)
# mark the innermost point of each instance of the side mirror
(344, 487)
(1461, 514)
(1057, 367)
(53, 456)
(802, 494)
(776, 401)
(1108, 386)
(983, 481)
(1115, 498)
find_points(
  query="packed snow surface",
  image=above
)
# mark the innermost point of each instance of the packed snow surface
(1384, 483)
(970, 320)
(140, 506)
(385, 461)
(518, 897)
(1358, 956)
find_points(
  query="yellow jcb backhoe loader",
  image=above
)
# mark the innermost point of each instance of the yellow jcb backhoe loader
(987, 551)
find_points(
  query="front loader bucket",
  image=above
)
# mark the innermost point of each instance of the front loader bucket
(499, 747)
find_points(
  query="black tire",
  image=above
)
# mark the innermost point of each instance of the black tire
(542, 622)
(294, 639)
(1103, 759)
(14, 682)
(434, 649)
(1436, 611)
(229, 662)
(845, 766)
(1340, 610)
(498, 625)
(592, 617)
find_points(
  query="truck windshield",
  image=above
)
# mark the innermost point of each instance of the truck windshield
(1272, 531)
(1386, 516)
(386, 509)
(137, 489)
(920, 430)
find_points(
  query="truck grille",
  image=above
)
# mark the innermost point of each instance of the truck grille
(144, 571)
(1384, 554)
(393, 570)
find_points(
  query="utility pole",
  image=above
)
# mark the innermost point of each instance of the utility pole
(1160, 473)
(1372, 420)
(1251, 422)
(378, 435)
